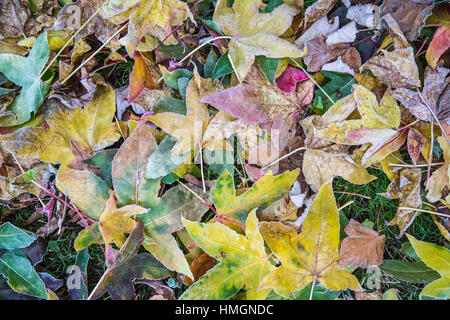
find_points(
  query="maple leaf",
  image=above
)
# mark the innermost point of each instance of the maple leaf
(437, 258)
(440, 179)
(26, 72)
(257, 102)
(311, 256)
(242, 260)
(187, 129)
(116, 223)
(376, 126)
(73, 15)
(164, 218)
(128, 168)
(410, 15)
(126, 266)
(363, 247)
(140, 78)
(406, 188)
(319, 167)
(435, 86)
(254, 33)
(91, 127)
(233, 210)
(87, 191)
(155, 17)
(395, 68)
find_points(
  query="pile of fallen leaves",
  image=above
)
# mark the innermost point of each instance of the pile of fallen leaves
(209, 175)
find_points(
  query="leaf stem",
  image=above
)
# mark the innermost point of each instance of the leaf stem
(98, 50)
(202, 45)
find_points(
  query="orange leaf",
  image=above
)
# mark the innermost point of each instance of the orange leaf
(140, 78)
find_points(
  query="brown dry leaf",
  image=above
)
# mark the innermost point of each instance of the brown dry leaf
(369, 295)
(416, 141)
(440, 179)
(199, 267)
(410, 15)
(18, 21)
(436, 93)
(319, 167)
(318, 10)
(396, 68)
(363, 247)
(319, 53)
(406, 188)
(13, 182)
(74, 15)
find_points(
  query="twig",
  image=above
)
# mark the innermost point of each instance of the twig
(354, 194)
(202, 45)
(313, 80)
(426, 211)
(417, 166)
(346, 205)
(434, 116)
(284, 157)
(431, 152)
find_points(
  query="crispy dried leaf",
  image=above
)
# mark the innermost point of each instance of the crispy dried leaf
(363, 247)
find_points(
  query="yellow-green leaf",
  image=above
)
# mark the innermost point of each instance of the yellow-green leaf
(242, 261)
(311, 256)
(233, 210)
(437, 258)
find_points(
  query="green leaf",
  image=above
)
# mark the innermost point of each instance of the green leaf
(78, 277)
(437, 258)
(414, 272)
(233, 210)
(25, 72)
(242, 261)
(171, 77)
(269, 67)
(223, 67)
(339, 86)
(103, 161)
(170, 104)
(12, 238)
(85, 237)
(210, 64)
(161, 162)
(127, 266)
(21, 275)
(320, 293)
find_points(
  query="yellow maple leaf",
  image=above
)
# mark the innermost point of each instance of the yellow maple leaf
(311, 256)
(254, 33)
(188, 129)
(155, 17)
(90, 128)
(116, 223)
(377, 124)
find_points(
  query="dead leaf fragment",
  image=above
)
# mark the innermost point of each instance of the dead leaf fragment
(363, 247)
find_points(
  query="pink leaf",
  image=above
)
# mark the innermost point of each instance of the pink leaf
(289, 78)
